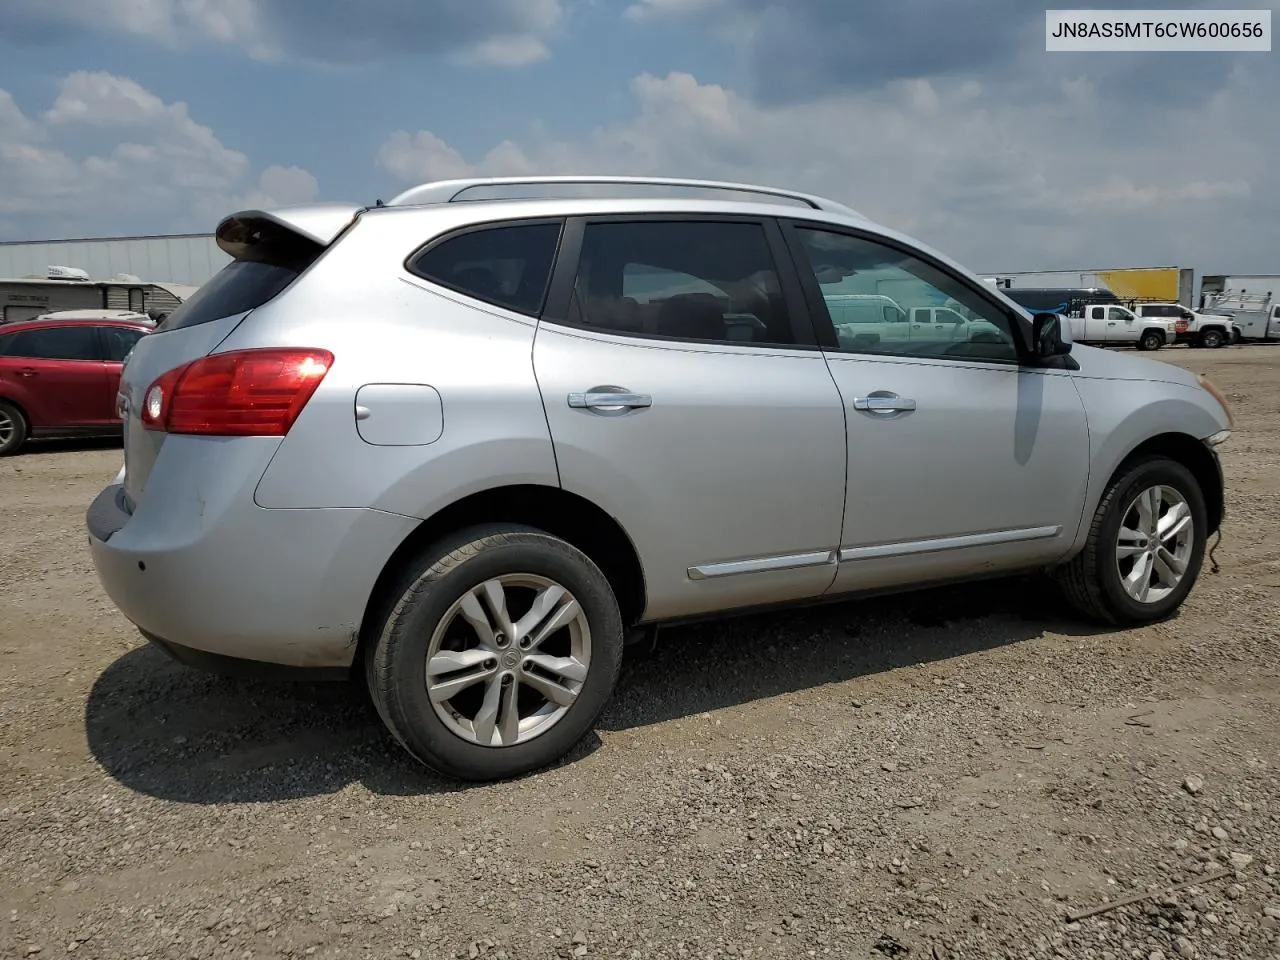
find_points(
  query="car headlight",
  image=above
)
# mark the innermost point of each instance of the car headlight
(1208, 386)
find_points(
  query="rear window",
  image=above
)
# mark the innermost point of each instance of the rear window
(268, 258)
(239, 286)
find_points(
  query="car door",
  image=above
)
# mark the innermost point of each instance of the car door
(1095, 324)
(1120, 326)
(723, 458)
(961, 460)
(61, 371)
(927, 324)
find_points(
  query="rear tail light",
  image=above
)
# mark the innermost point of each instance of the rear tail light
(237, 394)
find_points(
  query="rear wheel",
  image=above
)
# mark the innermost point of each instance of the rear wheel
(1151, 340)
(13, 428)
(500, 651)
(1212, 339)
(1145, 546)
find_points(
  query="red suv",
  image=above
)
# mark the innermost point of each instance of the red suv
(60, 377)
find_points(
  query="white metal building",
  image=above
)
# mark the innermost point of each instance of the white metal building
(188, 259)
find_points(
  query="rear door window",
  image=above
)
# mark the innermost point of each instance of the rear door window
(118, 341)
(52, 343)
(508, 265)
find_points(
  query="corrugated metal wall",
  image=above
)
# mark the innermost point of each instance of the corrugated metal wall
(188, 259)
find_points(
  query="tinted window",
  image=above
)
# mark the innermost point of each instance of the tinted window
(844, 266)
(1034, 300)
(239, 286)
(118, 341)
(52, 343)
(696, 280)
(508, 266)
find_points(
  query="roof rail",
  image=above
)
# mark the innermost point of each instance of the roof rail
(449, 191)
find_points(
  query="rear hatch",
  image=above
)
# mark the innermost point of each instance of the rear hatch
(269, 251)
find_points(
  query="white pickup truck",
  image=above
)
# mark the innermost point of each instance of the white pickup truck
(1114, 325)
(1208, 330)
(865, 318)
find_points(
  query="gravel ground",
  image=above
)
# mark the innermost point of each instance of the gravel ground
(946, 775)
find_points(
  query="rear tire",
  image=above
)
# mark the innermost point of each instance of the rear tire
(469, 619)
(1212, 339)
(1151, 340)
(13, 429)
(1130, 544)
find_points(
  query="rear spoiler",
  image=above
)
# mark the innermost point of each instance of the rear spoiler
(317, 225)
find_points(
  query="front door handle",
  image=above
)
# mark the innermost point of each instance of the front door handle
(609, 400)
(27, 372)
(884, 403)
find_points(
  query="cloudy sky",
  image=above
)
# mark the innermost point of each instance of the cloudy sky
(943, 118)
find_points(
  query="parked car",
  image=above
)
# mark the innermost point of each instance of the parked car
(60, 377)
(1114, 326)
(466, 450)
(1198, 329)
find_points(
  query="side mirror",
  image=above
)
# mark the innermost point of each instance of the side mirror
(1049, 336)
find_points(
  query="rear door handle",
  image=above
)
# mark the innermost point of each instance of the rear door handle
(884, 403)
(609, 400)
(26, 372)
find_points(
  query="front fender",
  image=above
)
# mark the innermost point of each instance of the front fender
(1124, 414)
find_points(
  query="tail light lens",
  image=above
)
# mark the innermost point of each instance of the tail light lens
(237, 394)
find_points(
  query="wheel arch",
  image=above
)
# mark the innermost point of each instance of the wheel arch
(1193, 454)
(560, 513)
(22, 411)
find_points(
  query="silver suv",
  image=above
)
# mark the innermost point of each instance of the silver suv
(469, 446)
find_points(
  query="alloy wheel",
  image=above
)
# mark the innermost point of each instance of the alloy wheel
(508, 659)
(1155, 544)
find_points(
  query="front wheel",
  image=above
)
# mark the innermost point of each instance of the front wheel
(499, 652)
(1212, 339)
(1151, 340)
(1145, 546)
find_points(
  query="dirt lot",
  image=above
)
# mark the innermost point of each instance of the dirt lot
(941, 776)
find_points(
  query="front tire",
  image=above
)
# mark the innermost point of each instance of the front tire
(13, 429)
(499, 651)
(1212, 339)
(1145, 546)
(1151, 340)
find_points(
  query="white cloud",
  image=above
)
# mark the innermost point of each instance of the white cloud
(280, 187)
(512, 51)
(1067, 181)
(141, 165)
(673, 9)
(504, 33)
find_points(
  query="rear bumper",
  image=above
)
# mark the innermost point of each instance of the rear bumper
(234, 580)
